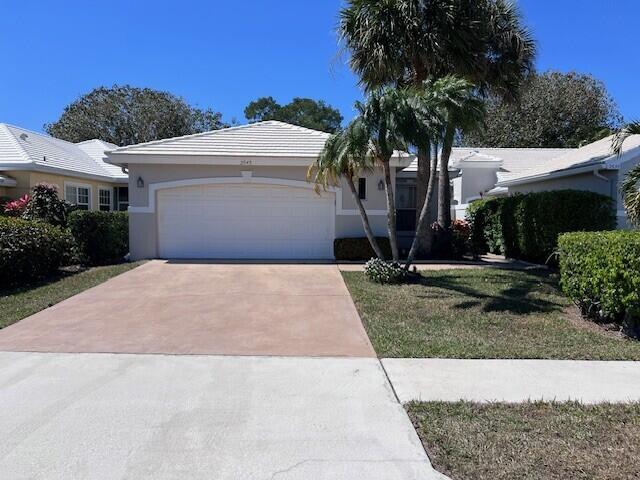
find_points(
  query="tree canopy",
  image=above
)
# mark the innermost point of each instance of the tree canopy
(556, 110)
(304, 112)
(126, 115)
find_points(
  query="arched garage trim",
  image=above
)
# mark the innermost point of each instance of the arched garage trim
(244, 180)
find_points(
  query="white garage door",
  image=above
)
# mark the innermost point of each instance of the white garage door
(245, 222)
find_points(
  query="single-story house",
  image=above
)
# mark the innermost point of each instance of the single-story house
(242, 193)
(78, 169)
(592, 167)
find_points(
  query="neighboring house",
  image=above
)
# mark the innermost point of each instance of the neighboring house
(475, 172)
(592, 167)
(242, 192)
(78, 169)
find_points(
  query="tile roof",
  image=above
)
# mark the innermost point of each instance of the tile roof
(262, 139)
(511, 160)
(24, 149)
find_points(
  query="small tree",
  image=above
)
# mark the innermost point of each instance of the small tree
(45, 205)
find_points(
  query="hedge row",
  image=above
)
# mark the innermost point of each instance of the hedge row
(527, 226)
(355, 249)
(100, 237)
(600, 272)
(31, 250)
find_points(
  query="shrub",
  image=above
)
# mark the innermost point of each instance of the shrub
(600, 272)
(16, 208)
(455, 244)
(46, 206)
(101, 237)
(354, 249)
(30, 250)
(527, 226)
(380, 271)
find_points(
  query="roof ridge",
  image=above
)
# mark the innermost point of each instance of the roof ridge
(296, 127)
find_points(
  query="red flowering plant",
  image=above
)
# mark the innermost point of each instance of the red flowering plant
(16, 208)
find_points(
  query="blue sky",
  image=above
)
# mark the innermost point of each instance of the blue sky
(225, 54)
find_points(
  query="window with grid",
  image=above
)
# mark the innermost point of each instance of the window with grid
(104, 196)
(79, 196)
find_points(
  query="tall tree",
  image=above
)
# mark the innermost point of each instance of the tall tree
(556, 110)
(404, 42)
(304, 112)
(345, 155)
(126, 115)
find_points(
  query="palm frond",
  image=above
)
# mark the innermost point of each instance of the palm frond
(631, 193)
(632, 128)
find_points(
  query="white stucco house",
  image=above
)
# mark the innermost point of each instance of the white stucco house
(78, 169)
(242, 193)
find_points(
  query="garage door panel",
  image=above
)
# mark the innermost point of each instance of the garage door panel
(245, 221)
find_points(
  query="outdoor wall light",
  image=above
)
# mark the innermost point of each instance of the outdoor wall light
(380, 185)
(140, 182)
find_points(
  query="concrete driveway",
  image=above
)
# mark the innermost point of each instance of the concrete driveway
(203, 308)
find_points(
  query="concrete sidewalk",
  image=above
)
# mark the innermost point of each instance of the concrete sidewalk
(513, 380)
(94, 416)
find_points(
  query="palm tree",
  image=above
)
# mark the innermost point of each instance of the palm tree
(464, 111)
(389, 117)
(442, 108)
(345, 155)
(405, 42)
(631, 184)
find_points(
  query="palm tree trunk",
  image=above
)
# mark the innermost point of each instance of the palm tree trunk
(423, 235)
(425, 214)
(365, 219)
(444, 186)
(391, 210)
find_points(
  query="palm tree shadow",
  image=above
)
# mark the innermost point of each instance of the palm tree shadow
(517, 298)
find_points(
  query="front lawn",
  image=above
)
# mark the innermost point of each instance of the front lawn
(531, 441)
(481, 313)
(18, 303)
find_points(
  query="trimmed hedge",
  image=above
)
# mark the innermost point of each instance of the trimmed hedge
(527, 226)
(600, 272)
(356, 249)
(101, 237)
(31, 250)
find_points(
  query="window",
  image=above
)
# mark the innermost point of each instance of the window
(79, 195)
(406, 205)
(104, 197)
(121, 197)
(362, 188)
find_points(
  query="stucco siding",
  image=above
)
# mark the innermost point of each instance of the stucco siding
(584, 181)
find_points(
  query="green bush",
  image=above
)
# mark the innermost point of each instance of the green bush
(45, 205)
(101, 237)
(380, 271)
(527, 226)
(31, 250)
(355, 249)
(600, 272)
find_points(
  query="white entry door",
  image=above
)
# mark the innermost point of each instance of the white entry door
(245, 221)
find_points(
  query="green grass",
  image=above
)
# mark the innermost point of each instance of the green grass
(18, 303)
(530, 441)
(481, 313)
